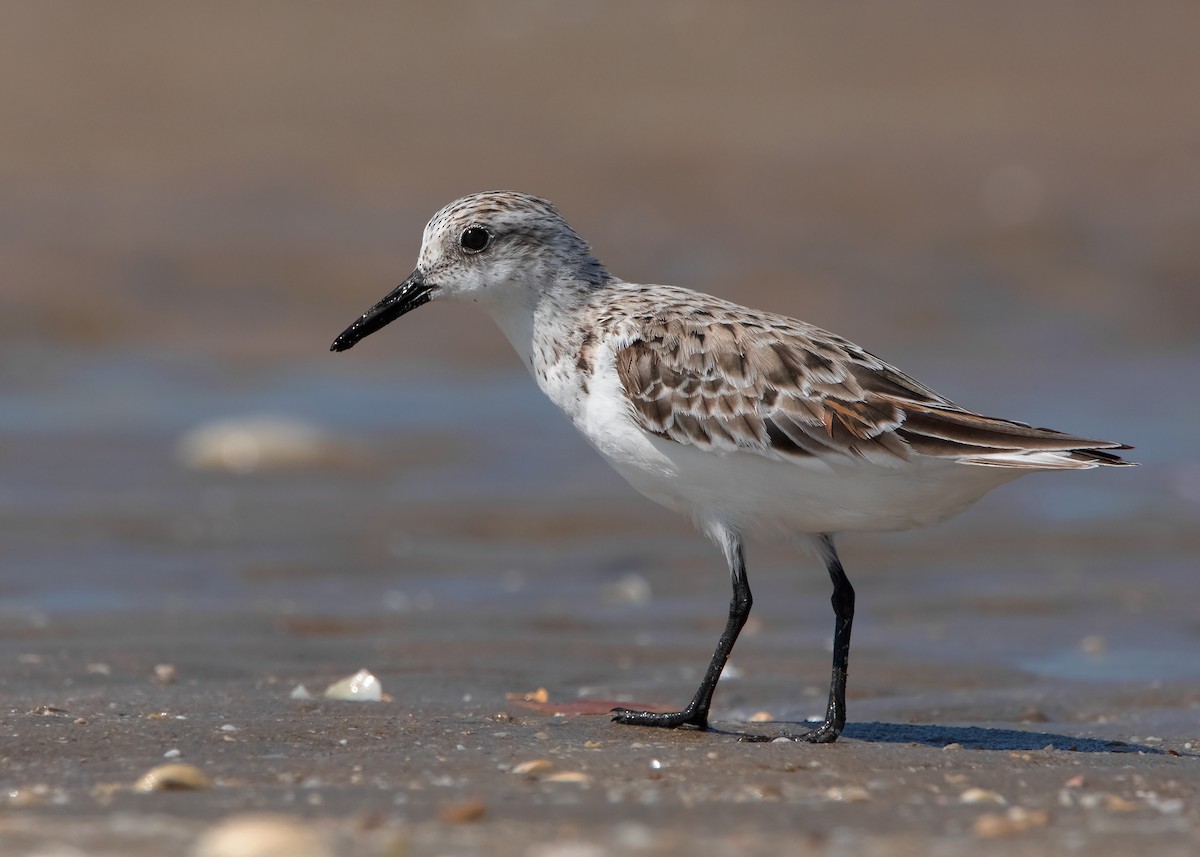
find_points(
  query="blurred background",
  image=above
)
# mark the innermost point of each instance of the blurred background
(1002, 199)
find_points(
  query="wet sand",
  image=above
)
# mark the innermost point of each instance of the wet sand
(939, 757)
(1002, 202)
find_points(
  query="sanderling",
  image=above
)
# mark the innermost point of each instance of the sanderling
(744, 420)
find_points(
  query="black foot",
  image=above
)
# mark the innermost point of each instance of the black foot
(825, 733)
(673, 720)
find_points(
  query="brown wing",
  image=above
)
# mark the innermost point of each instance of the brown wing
(780, 388)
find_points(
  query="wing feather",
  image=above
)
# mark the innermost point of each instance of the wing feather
(730, 379)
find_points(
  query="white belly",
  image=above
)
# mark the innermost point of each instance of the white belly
(754, 493)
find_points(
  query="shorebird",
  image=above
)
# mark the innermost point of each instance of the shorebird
(746, 421)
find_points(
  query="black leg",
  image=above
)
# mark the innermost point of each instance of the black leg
(843, 609)
(696, 713)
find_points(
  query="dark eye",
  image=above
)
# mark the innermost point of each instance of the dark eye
(475, 239)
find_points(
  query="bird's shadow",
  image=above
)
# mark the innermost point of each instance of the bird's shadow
(973, 738)
(986, 738)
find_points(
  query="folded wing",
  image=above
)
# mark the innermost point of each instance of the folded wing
(777, 387)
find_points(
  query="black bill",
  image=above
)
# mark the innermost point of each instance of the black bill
(404, 298)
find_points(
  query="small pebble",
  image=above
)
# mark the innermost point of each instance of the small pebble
(977, 795)
(1116, 803)
(847, 794)
(1167, 806)
(1016, 820)
(360, 687)
(175, 776)
(567, 849)
(29, 796)
(463, 813)
(569, 777)
(533, 766)
(165, 674)
(540, 696)
(630, 589)
(103, 793)
(262, 835)
(48, 711)
(247, 444)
